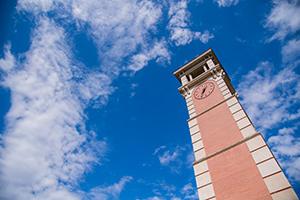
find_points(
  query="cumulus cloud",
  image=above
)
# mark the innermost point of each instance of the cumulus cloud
(265, 92)
(227, 3)
(284, 18)
(287, 148)
(178, 25)
(46, 148)
(291, 51)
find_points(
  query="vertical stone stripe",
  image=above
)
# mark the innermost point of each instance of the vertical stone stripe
(277, 182)
(288, 194)
(206, 192)
(202, 175)
(274, 178)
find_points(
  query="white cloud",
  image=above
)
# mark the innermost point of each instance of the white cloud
(109, 192)
(155, 198)
(178, 25)
(119, 35)
(166, 156)
(158, 52)
(164, 191)
(9, 61)
(286, 146)
(174, 158)
(284, 18)
(189, 192)
(227, 3)
(291, 51)
(36, 6)
(265, 92)
(46, 148)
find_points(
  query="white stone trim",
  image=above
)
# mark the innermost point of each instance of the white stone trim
(200, 154)
(191, 111)
(255, 143)
(239, 115)
(234, 108)
(243, 123)
(268, 167)
(276, 182)
(190, 107)
(192, 122)
(193, 114)
(222, 89)
(203, 179)
(248, 131)
(194, 129)
(196, 137)
(222, 84)
(227, 95)
(261, 154)
(198, 145)
(206, 192)
(225, 92)
(288, 194)
(189, 103)
(231, 101)
(219, 81)
(200, 168)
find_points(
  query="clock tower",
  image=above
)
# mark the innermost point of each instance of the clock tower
(232, 160)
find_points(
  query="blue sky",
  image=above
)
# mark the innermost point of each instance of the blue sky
(90, 108)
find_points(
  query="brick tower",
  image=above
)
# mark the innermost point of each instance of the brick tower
(232, 160)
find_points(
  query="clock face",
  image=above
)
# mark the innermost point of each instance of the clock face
(204, 90)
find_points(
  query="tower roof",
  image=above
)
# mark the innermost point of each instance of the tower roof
(198, 59)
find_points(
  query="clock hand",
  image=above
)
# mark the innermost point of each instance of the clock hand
(203, 91)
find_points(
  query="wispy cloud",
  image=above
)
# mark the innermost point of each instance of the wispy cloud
(265, 92)
(163, 191)
(291, 51)
(111, 192)
(46, 143)
(189, 192)
(174, 158)
(158, 52)
(287, 148)
(284, 18)
(46, 148)
(180, 32)
(170, 158)
(227, 3)
(121, 35)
